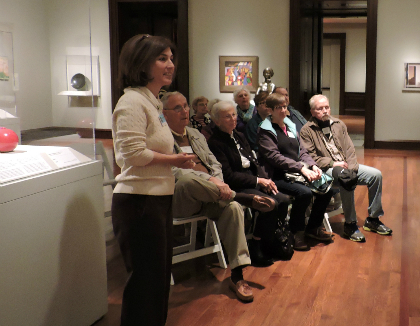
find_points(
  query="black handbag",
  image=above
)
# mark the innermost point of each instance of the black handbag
(280, 246)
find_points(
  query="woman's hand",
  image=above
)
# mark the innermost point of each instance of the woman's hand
(310, 175)
(183, 160)
(318, 171)
(268, 185)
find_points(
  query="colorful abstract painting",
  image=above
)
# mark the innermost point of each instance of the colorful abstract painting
(238, 73)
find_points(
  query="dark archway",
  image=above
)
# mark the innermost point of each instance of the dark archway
(167, 18)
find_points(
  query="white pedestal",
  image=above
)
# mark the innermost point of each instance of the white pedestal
(52, 252)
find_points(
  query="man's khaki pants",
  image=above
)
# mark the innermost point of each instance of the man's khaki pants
(195, 195)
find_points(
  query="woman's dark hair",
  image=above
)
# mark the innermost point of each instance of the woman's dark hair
(260, 97)
(274, 99)
(137, 56)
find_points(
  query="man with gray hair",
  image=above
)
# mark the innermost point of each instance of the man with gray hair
(202, 190)
(328, 142)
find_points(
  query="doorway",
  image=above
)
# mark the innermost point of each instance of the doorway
(305, 58)
(167, 18)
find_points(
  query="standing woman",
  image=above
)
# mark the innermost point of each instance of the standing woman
(141, 204)
(281, 152)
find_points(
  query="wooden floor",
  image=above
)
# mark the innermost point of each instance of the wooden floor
(343, 283)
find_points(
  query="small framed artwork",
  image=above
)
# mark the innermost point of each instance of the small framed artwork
(412, 76)
(4, 68)
(238, 71)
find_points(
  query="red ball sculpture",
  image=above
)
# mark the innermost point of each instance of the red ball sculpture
(8, 140)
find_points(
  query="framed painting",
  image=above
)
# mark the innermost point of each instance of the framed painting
(236, 72)
(412, 76)
(4, 68)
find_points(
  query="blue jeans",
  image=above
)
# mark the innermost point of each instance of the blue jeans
(367, 176)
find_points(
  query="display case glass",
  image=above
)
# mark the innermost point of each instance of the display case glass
(51, 186)
(50, 72)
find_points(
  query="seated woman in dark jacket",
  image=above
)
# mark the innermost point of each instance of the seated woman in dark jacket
(242, 173)
(280, 152)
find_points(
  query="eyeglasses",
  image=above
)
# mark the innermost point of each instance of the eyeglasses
(179, 108)
(321, 108)
(283, 107)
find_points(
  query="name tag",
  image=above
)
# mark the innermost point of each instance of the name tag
(187, 149)
(162, 120)
(290, 134)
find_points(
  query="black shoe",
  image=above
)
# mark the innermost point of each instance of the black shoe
(257, 256)
(375, 225)
(351, 231)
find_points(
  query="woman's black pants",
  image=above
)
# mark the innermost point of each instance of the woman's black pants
(143, 226)
(303, 197)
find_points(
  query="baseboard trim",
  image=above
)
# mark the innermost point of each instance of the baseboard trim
(411, 145)
(41, 133)
(103, 133)
(99, 133)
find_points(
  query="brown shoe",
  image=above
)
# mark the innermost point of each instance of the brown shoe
(319, 233)
(260, 203)
(242, 290)
(300, 243)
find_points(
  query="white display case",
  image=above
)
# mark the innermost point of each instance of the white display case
(52, 253)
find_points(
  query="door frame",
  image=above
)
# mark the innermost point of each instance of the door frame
(342, 38)
(371, 39)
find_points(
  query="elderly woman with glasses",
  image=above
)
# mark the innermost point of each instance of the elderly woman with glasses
(252, 125)
(245, 109)
(242, 172)
(280, 152)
